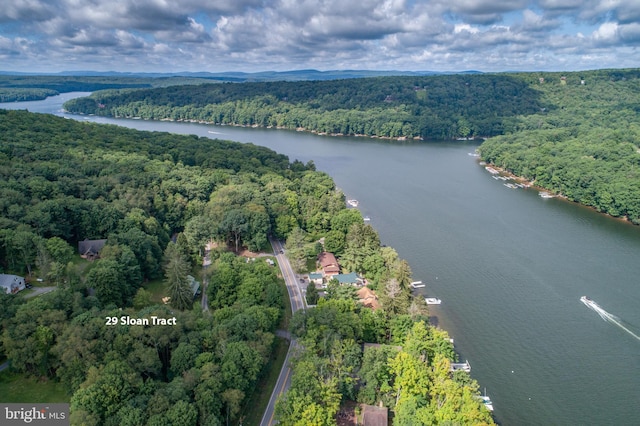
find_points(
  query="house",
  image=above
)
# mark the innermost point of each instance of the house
(375, 416)
(368, 298)
(11, 284)
(195, 285)
(316, 278)
(329, 264)
(90, 249)
(351, 278)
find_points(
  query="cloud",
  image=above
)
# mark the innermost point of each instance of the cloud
(164, 35)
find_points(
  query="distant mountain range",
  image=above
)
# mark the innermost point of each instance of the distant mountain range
(295, 75)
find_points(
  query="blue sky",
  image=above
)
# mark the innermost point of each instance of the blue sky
(261, 35)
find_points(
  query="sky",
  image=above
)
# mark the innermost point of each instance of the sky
(280, 35)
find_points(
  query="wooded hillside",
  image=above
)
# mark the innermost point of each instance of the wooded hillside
(576, 134)
(437, 107)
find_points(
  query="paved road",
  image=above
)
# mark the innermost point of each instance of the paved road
(297, 303)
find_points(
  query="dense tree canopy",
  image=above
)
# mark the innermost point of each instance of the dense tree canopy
(583, 144)
(436, 107)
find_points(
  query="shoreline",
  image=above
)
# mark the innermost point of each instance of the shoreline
(531, 185)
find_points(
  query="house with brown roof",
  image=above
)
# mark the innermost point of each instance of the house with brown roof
(368, 298)
(375, 416)
(329, 264)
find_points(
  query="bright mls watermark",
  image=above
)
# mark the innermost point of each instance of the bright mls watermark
(37, 414)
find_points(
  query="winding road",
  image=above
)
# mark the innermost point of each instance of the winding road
(297, 303)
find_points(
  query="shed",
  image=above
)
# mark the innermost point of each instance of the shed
(11, 284)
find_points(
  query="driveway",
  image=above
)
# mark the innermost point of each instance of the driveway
(38, 291)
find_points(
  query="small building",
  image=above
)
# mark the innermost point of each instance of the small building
(11, 284)
(329, 264)
(375, 416)
(270, 262)
(316, 278)
(90, 249)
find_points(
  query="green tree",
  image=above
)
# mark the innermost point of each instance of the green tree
(59, 250)
(108, 281)
(176, 269)
(235, 224)
(312, 294)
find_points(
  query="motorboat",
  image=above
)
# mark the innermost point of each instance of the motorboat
(353, 203)
(432, 300)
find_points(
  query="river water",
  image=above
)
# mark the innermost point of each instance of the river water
(509, 266)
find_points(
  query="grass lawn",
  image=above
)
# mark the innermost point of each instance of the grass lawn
(15, 387)
(311, 264)
(156, 288)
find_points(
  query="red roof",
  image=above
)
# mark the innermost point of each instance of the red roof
(327, 259)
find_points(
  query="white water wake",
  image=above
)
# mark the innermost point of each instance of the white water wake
(606, 315)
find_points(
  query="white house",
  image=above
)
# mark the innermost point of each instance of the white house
(11, 284)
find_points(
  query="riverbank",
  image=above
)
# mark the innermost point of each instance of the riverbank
(530, 184)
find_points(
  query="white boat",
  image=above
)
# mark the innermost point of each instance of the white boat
(544, 194)
(588, 302)
(366, 219)
(417, 284)
(432, 300)
(353, 203)
(486, 401)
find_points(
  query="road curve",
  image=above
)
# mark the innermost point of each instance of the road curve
(297, 303)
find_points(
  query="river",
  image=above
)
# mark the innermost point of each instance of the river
(509, 266)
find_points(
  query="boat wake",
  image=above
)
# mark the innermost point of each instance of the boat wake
(606, 315)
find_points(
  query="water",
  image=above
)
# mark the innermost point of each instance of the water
(607, 316)
(509, 267)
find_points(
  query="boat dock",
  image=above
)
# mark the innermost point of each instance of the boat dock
(461, 366)
(417, 284)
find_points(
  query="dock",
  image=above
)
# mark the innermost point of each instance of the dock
(461, 366)
(417, 284)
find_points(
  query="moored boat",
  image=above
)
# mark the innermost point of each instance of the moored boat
(432, 300)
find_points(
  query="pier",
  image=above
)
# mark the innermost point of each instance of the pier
(417, 284)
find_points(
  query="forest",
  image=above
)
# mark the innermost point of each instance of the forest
(434, 107)
(19, 88)
(157, 199)
(575, 134)
(585, 144)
